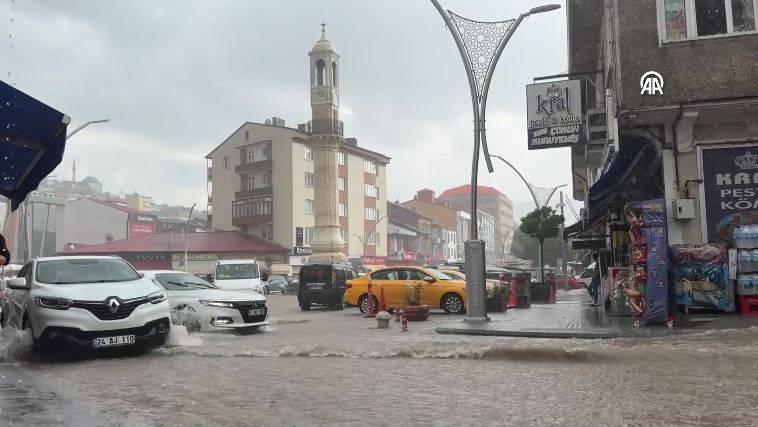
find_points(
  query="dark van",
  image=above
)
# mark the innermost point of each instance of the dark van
(324, 284)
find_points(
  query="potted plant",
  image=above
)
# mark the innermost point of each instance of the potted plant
(497, 298)
(523, 294)
(413, 309)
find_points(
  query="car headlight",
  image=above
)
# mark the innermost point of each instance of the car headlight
(217, 303)
(157, 297)
(54, 303)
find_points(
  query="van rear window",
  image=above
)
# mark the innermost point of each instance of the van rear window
(316, 274)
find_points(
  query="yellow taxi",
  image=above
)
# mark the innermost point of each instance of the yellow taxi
(438, 290)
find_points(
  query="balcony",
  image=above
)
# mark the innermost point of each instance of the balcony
(256, 192)
(325, 127)
(255, 166)
(252, 211)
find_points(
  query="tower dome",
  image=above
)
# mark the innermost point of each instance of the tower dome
(323, 44)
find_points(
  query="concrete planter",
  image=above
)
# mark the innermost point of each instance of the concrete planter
(416, 313)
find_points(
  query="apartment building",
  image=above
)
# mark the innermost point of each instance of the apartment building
(692, 138)
(494, 204)
(260, 182)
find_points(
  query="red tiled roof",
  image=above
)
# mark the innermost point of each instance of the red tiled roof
(218, 241)
(464, 190)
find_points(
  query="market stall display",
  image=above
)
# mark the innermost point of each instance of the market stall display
(745, 240)
(701, 277)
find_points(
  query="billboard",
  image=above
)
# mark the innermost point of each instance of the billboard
(554, 115)
(729, 188)
(140, 228)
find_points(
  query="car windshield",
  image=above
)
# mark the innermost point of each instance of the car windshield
(237, 271)
(68, 271)
(439, 275)
(277, 279)
(182, 282)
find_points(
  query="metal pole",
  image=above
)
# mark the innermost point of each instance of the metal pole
(70, 134)
(563, 248)
(186, 229)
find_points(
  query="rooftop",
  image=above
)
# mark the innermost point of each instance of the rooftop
(218, 241)
(465, 190)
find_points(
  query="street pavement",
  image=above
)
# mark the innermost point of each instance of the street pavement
(336, 367)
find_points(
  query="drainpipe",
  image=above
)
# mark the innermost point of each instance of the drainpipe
(676, 148)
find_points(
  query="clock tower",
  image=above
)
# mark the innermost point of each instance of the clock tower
(326, 136)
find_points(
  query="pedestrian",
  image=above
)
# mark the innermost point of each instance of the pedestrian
(594, 286)
(5, 255)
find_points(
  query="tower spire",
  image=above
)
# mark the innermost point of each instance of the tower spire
(323, 30)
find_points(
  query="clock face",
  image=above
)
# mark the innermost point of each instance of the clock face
(320, 96)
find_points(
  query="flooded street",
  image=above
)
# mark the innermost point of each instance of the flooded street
(334, 367)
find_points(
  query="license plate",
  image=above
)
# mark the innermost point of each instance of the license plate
(256, 311)
(316, 286)
(113, 341)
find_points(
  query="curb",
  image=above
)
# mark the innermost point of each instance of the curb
(532, 333)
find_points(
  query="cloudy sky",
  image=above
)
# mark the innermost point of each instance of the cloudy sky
(177, 77)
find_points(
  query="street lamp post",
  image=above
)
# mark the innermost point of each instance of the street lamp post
(186, 229)
(480, 45)
(365, 238)
(84, 125)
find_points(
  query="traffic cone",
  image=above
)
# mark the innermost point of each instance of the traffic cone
(382, 304)
(513, 300)
(405, 323)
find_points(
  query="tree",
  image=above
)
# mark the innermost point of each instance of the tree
(527, 247)
(541, 224)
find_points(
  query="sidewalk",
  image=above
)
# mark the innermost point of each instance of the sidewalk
(573, 317)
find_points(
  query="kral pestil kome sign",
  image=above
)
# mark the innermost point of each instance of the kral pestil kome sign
(730, 189)
(554, 114)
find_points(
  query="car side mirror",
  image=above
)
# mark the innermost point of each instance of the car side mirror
(18, 283)
(428, 279)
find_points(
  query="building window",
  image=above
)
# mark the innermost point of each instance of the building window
(371, 191)
(309, 209)
(682, 19)
(341, 158)
(251, 182)
(251, 155)
(226, 162)
(342, 183)
(247, 135)
(320, 66)
(266, 178)
(309, 179)
(342, 209)
(308, 153)
(334, 73)
(308, 236)
(343, 235)
(372, 214)
(373, 239)
(369, 166)
(268, 232)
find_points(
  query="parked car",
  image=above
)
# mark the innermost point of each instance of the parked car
(86, 302)
(438, 289)
(239, 274)
(291, 287)
(572, 281)
(275, 283)
(202, 306)
(324, 284)
(456, 274)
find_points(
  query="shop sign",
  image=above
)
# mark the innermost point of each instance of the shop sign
(140, 228)
(196, 256)
(730, 189)
(302, 250)
(148, 256)
(296, 260)
(587, 244)
(554, 114)
(409, 256)
(374, 260)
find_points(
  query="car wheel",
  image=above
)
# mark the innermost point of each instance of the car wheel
(453, 304)
(306, 306)
(363, 303)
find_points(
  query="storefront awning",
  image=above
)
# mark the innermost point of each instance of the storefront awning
(637, 162)
(32, 139)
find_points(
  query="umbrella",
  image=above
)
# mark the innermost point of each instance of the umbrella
(32, 140)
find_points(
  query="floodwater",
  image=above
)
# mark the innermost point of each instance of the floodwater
(325, 367)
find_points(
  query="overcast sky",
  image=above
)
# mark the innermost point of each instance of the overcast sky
(177, 77)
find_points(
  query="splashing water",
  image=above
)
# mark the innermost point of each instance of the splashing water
(15, 345)
(180, 337)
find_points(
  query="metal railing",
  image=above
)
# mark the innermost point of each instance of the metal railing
(325, 127)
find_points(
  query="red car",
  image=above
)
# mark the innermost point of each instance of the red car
(573, 283)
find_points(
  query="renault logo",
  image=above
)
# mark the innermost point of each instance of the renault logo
(112, 304)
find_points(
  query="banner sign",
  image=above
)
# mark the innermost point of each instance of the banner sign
(140, 228)
(730, 187)
(194, 256)
(655, 233)
(554, 114)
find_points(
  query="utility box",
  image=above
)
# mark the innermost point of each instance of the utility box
(682, 209)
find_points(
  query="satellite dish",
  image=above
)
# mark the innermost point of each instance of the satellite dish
(108, 237)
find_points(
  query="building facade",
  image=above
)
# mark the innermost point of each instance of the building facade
(496, 205)
(407, 242)
(693, 140)
(91, 222)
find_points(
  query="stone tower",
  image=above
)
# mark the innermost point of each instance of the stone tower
(326, 135)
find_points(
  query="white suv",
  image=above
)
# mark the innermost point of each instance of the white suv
(87, 302)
